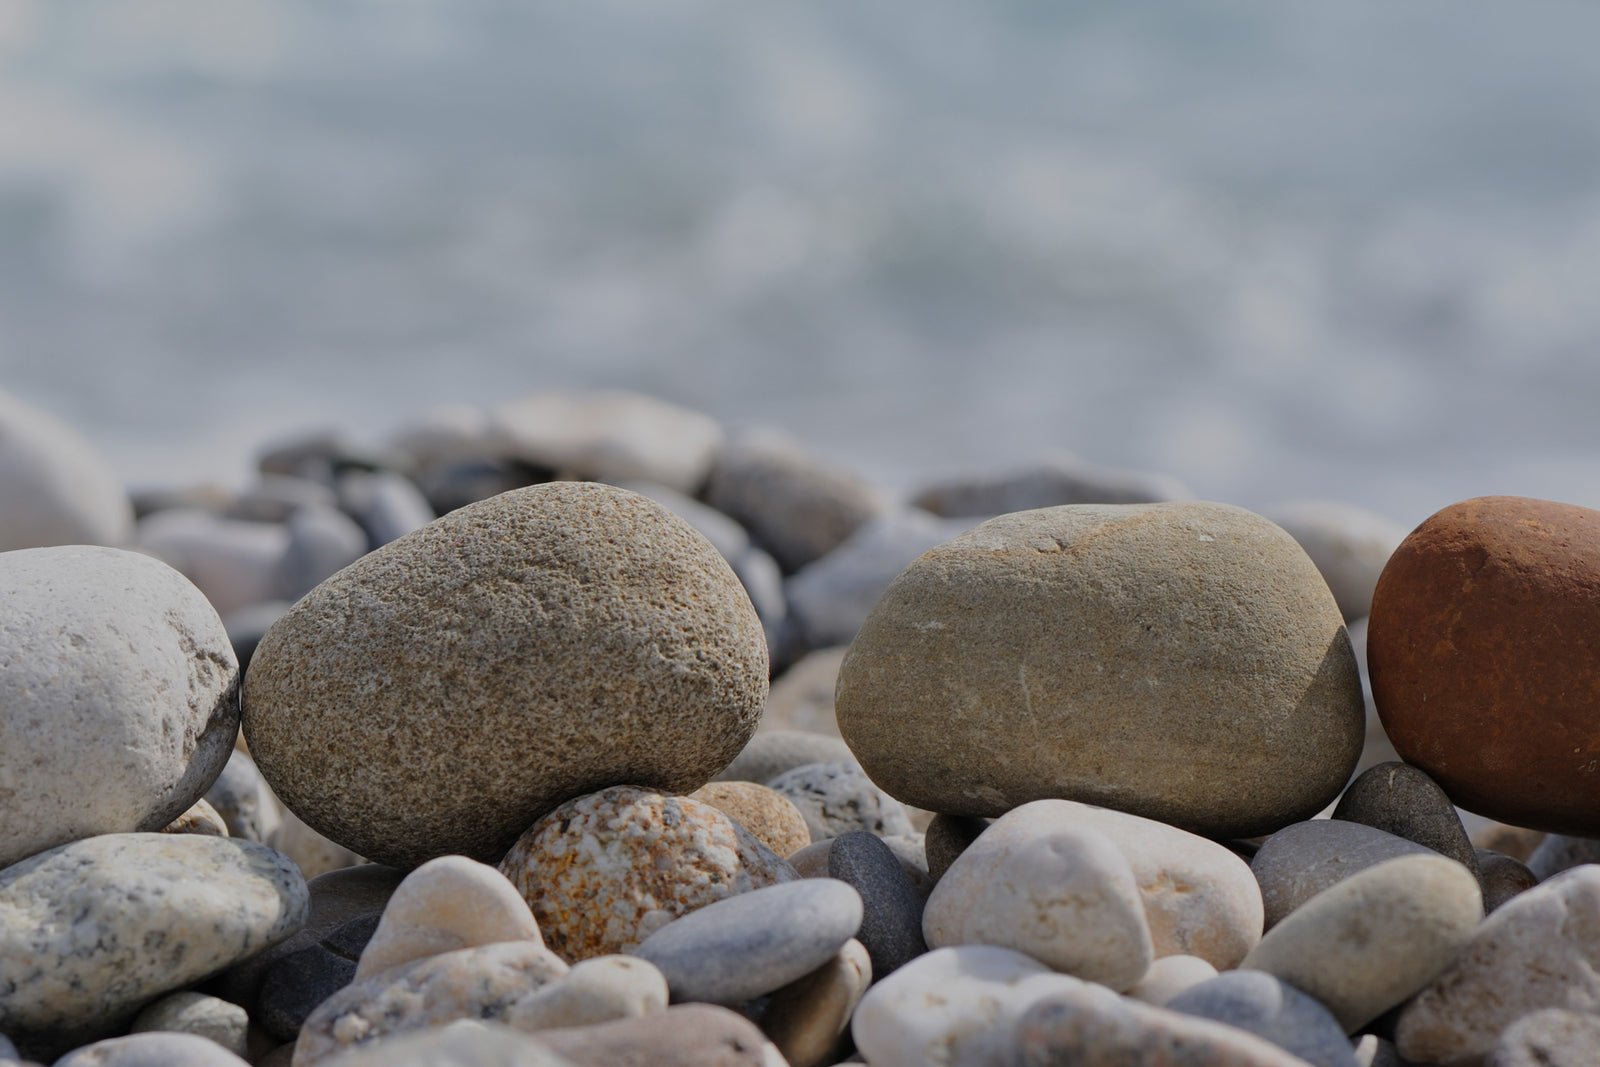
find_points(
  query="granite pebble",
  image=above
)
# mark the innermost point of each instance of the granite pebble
(198, 1014)
(463, 1043)
(837, 797)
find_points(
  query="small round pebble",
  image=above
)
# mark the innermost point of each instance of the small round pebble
(1502, 878)
(767, 814)
(200, 1015)
(597, 990)
(891, 926)
(201, 818)
(751, 944)
(242, 798)
(770, 753)
(947, 837)
(1170, 975)
(448, 903)
(1274, 1011)
(837, 797)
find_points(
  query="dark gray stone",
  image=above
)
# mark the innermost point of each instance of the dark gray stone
(1273, 1010)
(773, 752)
(947, 837)
(1052, 482)
(891, 923)
(838, 796)
(752, 943)
(1404, 801)
(297, 983)
(1502, 878)
(1304, 858)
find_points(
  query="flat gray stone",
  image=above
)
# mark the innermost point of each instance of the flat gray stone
(322, 541)
(773, 752)
(838, 797)
(891, 924)
(387, 504)
(1273, 1010)
(118, 696)
(1402, 800)
(153, 1050)
(295, 985)
(1300, 861)
(748, 945)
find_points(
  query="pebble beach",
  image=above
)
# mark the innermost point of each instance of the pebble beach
(582, 731)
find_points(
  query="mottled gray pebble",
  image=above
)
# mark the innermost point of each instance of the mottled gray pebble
(1404, 801)
(838, 796)
(773, 752)
(752, 943)
(1303, 859)
(1273, 1010)
(891, 926)
(195, 1013)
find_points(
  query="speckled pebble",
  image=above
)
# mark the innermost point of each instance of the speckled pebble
(1554, 1037)
(200, 1015)
(448, 903)
(891, 924)
(771, 753)
(1404, 801)
(201, 818)
(767, 814)
(807, 1018)
(596, 990)
(153, 1050)
(689, 1035)
(1302, 860)
(92, 930)
(1274, 1011)
(605, 871)
(838, 796)
(748, 945)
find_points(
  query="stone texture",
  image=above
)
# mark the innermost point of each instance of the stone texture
(596, 990)
(1064, 895)
(912, 852)
(605, 871)
(201, 818)
(197, 1014)
(446, 904)
(471, 983)
(1348, 544)
(1502, 878)
(1170, 975)
(92, 930)
(464, 1043)
(750, 944)
(891, 924)
(689, 1035)
(769, 815)
(118, 696)
(770, 754)
(1539, 950)
(952, 1006)
(445, 691)
(242, 798)
(153, 1050)
(233, 562)
(1093, 1025)
(802, 696)
(838, 797)
(58, 489)
(1550, 1038)
(296, 984)
(1404, 801)
(1300, 861)
(986, 675)
(794, 507)
(1559, 852)
(1481, 660)
(807, 1018)
(1272, 1010)
(947, 837)
(1373, 940)
(1054, 481)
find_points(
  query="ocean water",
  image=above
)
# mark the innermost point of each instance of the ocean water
(1276, 249)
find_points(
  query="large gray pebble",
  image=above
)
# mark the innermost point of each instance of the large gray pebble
(1300, 861)
(837, 797)
(58, 490)
(91, 930)
(772, 753)
(118, 696)
(156, 1049)
(1273, 1010)
(749, 944)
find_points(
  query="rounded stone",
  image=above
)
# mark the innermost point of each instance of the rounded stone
(806, 1018)
(1403, 801)
(1170, 975)
(838, 797)
(1300, 861)
(241, 797)
(464, 1043)
(1272, 1010)
(1348, 544)
(1559, 852)
(201, 818)
(442, 693)
(118, 696)
(58, 489)
(446, 904)
(802, 696)
(1553, 1037)
(605, 871)
(596, 990)
(1481, 663)
(891, 924)
(749, 945)
(158, 1049)
(771, 753)
(768, 814)
(1083, 652)
(686, 1035)
(949, 836)
(298, 982)
(198, 1014)
(1502, 878)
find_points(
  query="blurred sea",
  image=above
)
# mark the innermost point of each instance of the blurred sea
(1277, 249)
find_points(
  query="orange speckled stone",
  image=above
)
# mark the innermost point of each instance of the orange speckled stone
(767, 813)
(604, 871)
(1484, 650)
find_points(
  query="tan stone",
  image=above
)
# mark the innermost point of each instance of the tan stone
(806, 1018)
(442, 693)
(689, 1035)
(1170, 975)
(769, 815)
(447, 904)
(597, 990)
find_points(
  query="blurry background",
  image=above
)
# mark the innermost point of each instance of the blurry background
(1277, 250)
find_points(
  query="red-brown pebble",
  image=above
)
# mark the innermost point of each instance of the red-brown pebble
(1484, 649)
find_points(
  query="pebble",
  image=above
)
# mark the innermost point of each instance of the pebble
(201, 818)
(243, 800)
(1474, 667)
(312, 852)
(838, 797)
(118, 703)
(1300, 861)
(688, 1035)
(794, 507)
(751, 944)
(807, 1018)
(771, 754)
(952, 1006)
(198, 1014)
(1170, 975)
(386, 504)
(1091, 1024)
(91, 931)
(1374, 1051)
(1553, 1037)
(605, 871)
(1272, 1010)
(891, 924)
(1063, 894)
(1518, 842)
(912, 852)
(1404, 801)
(1559, 852)
(297, 983)
(58, 489)
(947, 837)
(1538, 950)
(1349, 545)
(322, 541)
(446, 904)
(153, 1050)
(1502, 878)
(594, 991)
(802, 696)
(618, 645)
(984, 677)
(766, 813)
(1052, 482)
(1376, 938)
(470, 983)
(463, 1043)
(276, 497)
(234, 562)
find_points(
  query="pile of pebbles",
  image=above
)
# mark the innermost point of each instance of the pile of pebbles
(580, 732)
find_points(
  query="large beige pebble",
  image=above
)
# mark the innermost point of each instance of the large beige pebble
(1180, 661)
(446, 904)
(58, 489)
(443, 692)
(688, 1035)
(1064, 895)
(1376, 938)
(806, 1018)
(597, 990)
(1541, 949)
(1300, 861)
(118, 696)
